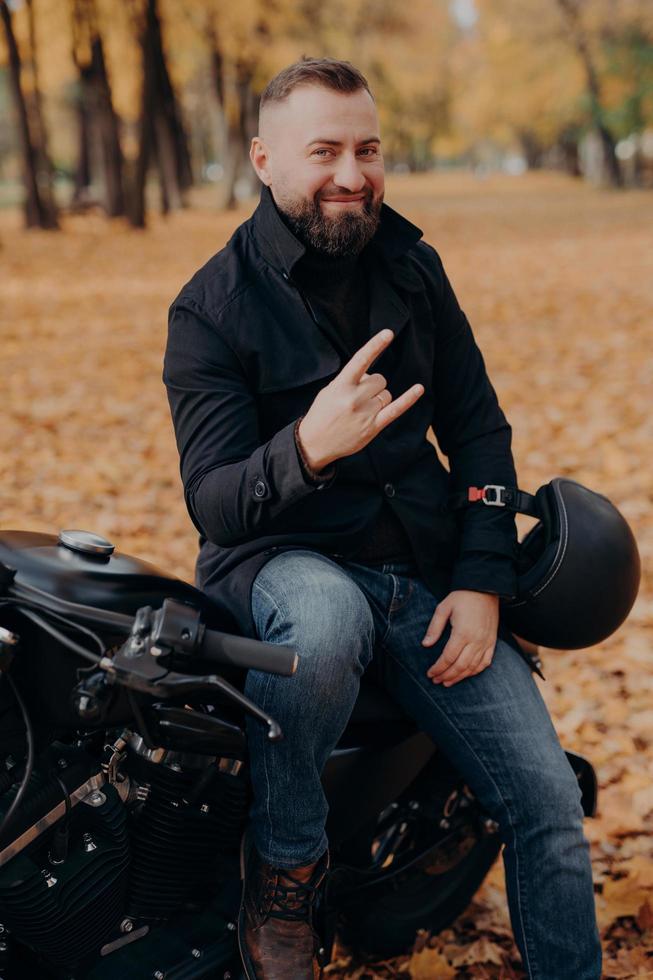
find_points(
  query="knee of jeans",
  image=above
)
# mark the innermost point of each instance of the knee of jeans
(551, 796)
(324, 614)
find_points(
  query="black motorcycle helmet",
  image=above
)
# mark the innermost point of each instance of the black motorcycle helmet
(578, 568)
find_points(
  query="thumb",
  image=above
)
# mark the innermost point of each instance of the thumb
(438, 623)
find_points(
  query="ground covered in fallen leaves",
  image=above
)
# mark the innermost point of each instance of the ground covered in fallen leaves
(557, 281)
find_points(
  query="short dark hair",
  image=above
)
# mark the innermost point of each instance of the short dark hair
(341, 76)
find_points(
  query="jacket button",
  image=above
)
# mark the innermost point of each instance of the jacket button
(259, 489)
(389, 490)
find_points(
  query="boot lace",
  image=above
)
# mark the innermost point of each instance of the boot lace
(292, 900)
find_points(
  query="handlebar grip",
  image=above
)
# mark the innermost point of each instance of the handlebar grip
(242, 651)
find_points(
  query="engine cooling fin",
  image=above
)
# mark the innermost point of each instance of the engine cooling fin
(178, 847)
(64, 911)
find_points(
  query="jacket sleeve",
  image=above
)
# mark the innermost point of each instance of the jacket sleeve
(234, 485)
(473, 433)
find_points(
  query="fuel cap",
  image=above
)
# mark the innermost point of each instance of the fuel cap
(86, 542)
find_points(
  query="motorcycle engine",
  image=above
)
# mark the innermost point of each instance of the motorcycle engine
(121, 857)
(145, 835)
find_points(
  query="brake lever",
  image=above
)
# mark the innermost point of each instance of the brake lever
(136, 667)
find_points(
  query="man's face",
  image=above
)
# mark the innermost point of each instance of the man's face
(319, 152)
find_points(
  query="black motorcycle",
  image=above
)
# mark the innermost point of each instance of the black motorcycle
(124, 786)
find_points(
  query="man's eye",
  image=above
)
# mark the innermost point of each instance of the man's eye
(322, 149)
(369, 150)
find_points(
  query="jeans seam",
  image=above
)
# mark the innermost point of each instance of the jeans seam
(263, 706)
(485, 769)
(395, 584)
(268, 789)
(257, 585)
(393, 608)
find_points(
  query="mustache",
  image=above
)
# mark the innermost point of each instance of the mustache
(335, 192)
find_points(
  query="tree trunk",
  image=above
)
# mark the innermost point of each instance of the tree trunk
(568, 146)
(571, 12)
(83, 167)
(229, 141)
(108, 127)
(531, 148)
(174, 143)
(44, 168)
(99, 153)
(136, 204)
(161, 133)
(37, 213)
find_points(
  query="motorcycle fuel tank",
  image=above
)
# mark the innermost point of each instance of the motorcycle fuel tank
(83, 567)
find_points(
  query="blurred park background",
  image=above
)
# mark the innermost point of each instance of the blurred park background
(518, 134)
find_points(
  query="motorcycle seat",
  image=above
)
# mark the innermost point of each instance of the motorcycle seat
(374, 705)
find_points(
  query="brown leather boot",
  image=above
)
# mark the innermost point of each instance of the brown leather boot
(276, 936)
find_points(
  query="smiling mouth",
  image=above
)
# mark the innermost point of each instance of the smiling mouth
(343, 200)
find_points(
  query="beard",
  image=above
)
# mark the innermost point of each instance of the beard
(338, 235)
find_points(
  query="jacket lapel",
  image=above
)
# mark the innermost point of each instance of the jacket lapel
(388, 268)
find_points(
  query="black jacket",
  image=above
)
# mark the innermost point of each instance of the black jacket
(247, 354)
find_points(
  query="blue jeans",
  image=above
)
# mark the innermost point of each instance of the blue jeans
(494, 727)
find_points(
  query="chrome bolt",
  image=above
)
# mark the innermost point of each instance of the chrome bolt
(157, 975)
(444, 823)
(126, 925)
(490, 825)
(96, 798)
(413, 805)
(196, 953)
(62, 763)
(205, 808)
(231, 926)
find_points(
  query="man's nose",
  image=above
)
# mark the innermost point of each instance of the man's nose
(348, 174)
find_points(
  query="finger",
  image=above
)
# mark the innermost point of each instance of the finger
(486, 659)
(449, 655)
(398, 406)
(437, 624)
(383, 398)
(357, 365)
(462, 666)
(477, 665)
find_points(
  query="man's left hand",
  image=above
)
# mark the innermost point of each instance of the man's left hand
(474, 624)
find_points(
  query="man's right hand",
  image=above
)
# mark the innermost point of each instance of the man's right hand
(353, 408)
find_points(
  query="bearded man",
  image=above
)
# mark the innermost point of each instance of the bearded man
(321, 509)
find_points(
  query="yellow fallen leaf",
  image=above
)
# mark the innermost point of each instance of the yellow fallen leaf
(483, 950)
(430, 965)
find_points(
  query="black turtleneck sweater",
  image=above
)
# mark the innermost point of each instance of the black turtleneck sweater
(339, 288)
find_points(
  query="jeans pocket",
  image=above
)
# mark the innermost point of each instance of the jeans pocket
(403, 589)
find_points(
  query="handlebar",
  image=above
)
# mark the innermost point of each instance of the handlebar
(157, 641)
(241, 651)
(177, 627)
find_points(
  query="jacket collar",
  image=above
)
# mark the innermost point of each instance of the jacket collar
(282, 249)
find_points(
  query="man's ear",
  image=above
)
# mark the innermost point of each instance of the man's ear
(259, 155)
